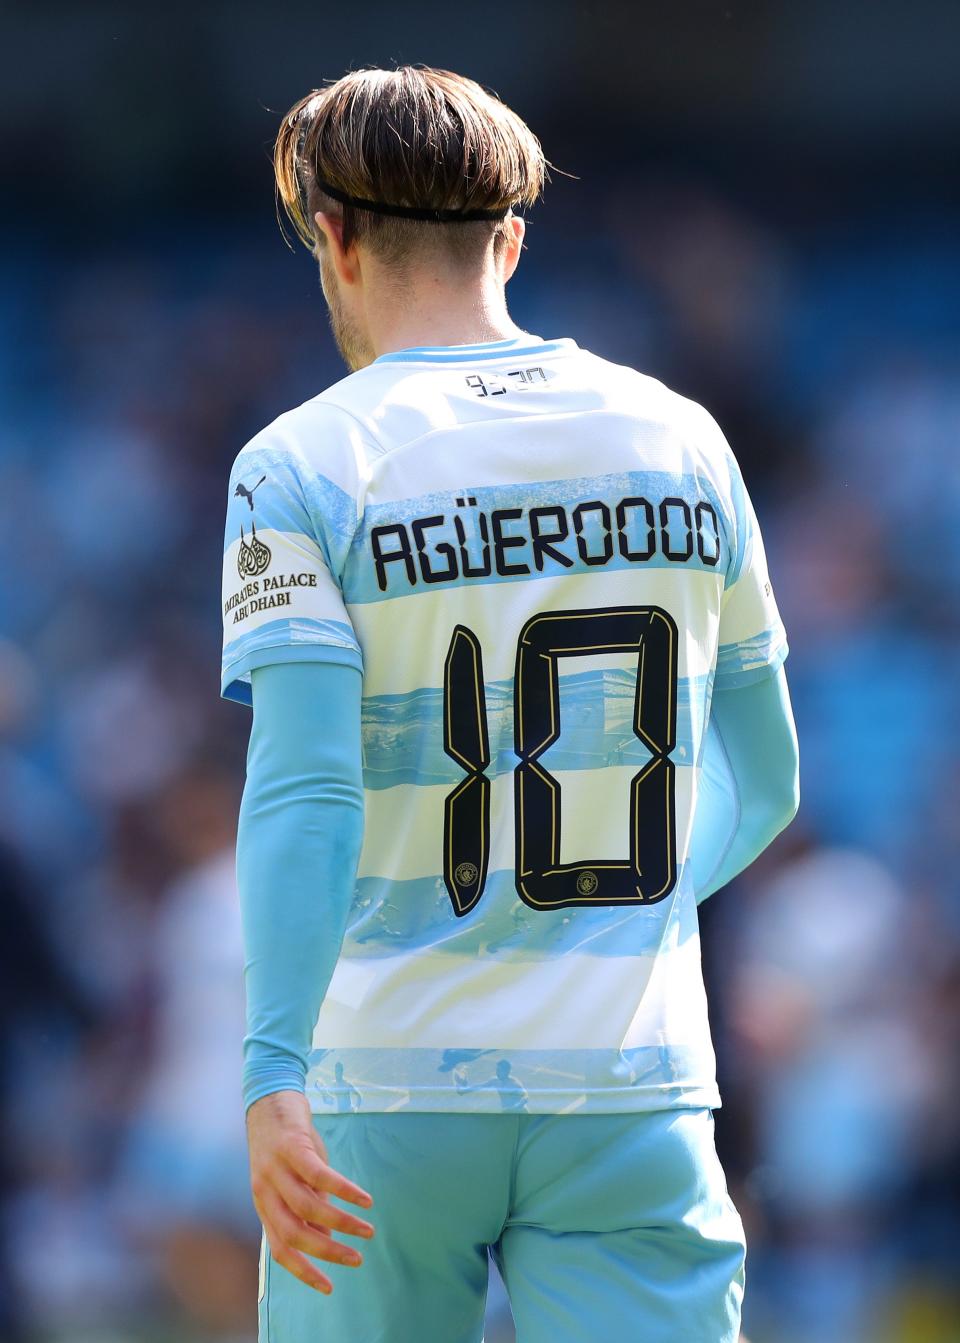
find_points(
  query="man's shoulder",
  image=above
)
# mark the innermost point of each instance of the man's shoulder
(651, 398)
(325, 413)
(319, 436)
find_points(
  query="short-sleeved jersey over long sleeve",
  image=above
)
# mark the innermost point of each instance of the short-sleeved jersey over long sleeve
(542, 563)
(292, 515)
(752, 640)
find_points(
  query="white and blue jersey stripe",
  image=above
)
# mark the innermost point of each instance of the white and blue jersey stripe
(542, 563)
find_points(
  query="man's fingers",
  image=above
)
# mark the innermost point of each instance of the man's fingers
(329, 1181)
(297, 1235)
(296, 1263)
(324, 1178)
(338, 1219)
(314, 1243)
(310, 1206)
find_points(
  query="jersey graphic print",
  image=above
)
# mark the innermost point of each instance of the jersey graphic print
(543, 563)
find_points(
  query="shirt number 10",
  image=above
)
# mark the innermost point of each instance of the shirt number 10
(543, 882)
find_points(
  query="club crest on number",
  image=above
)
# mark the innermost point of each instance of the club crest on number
(466, 874)
(587, 883)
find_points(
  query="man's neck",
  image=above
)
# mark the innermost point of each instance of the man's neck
(436, 312)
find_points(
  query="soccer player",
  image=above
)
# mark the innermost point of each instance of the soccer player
(502, 613)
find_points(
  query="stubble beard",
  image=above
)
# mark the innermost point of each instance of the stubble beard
(350, 340)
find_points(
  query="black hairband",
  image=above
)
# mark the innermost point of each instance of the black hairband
(411, 211)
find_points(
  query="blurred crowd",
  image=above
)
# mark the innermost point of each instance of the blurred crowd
(130, 376)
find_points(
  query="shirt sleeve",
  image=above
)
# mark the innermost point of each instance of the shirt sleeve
(752, 641)
(749, 786)
(299, 835)
(288, 530)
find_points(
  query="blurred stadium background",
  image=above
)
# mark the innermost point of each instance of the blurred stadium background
(765, 214)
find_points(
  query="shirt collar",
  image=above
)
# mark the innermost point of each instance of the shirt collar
(521, 345)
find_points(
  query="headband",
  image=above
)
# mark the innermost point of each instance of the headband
(411, 211)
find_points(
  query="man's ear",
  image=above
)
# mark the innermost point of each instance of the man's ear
(510, 251)
(330, 227)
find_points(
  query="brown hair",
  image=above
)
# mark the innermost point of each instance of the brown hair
(413, 137)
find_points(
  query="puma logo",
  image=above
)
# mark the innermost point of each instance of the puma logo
(242, 492)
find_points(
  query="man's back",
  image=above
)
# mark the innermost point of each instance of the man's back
(483, 599)
(544, 563)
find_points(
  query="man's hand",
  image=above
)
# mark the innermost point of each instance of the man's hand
(291, 1184)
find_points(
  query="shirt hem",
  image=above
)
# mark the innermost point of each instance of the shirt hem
(752, 672)
(235, 682)
(442, 1100)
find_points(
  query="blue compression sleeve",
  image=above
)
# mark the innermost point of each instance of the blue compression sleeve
(298, 842)
(749, 782)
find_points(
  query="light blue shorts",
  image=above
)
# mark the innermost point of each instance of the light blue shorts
(603, 1226)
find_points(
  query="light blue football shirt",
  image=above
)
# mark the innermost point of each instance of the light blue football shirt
(543, 563)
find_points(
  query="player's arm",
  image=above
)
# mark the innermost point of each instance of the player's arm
(290, 652)
(749, 780)
(298, 841)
